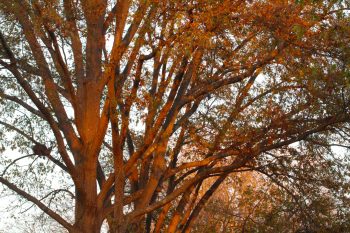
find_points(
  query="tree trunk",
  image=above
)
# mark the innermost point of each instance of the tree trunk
(87, 217)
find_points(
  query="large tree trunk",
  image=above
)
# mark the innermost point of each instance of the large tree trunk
(87, 217)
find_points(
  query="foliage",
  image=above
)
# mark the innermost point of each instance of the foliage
(253, 202)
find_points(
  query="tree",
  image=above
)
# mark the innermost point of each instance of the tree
(139, 102)
(254, 202)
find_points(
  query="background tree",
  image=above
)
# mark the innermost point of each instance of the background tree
(263, 202)
(136, 103)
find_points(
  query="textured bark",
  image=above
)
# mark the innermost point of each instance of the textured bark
(87, 217)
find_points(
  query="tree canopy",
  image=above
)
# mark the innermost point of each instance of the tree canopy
(132, 113)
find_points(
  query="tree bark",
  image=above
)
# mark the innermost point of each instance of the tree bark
(87, 216)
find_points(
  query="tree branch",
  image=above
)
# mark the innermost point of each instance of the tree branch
(38, 203)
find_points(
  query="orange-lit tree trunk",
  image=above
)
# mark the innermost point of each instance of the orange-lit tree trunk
(87, 219)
